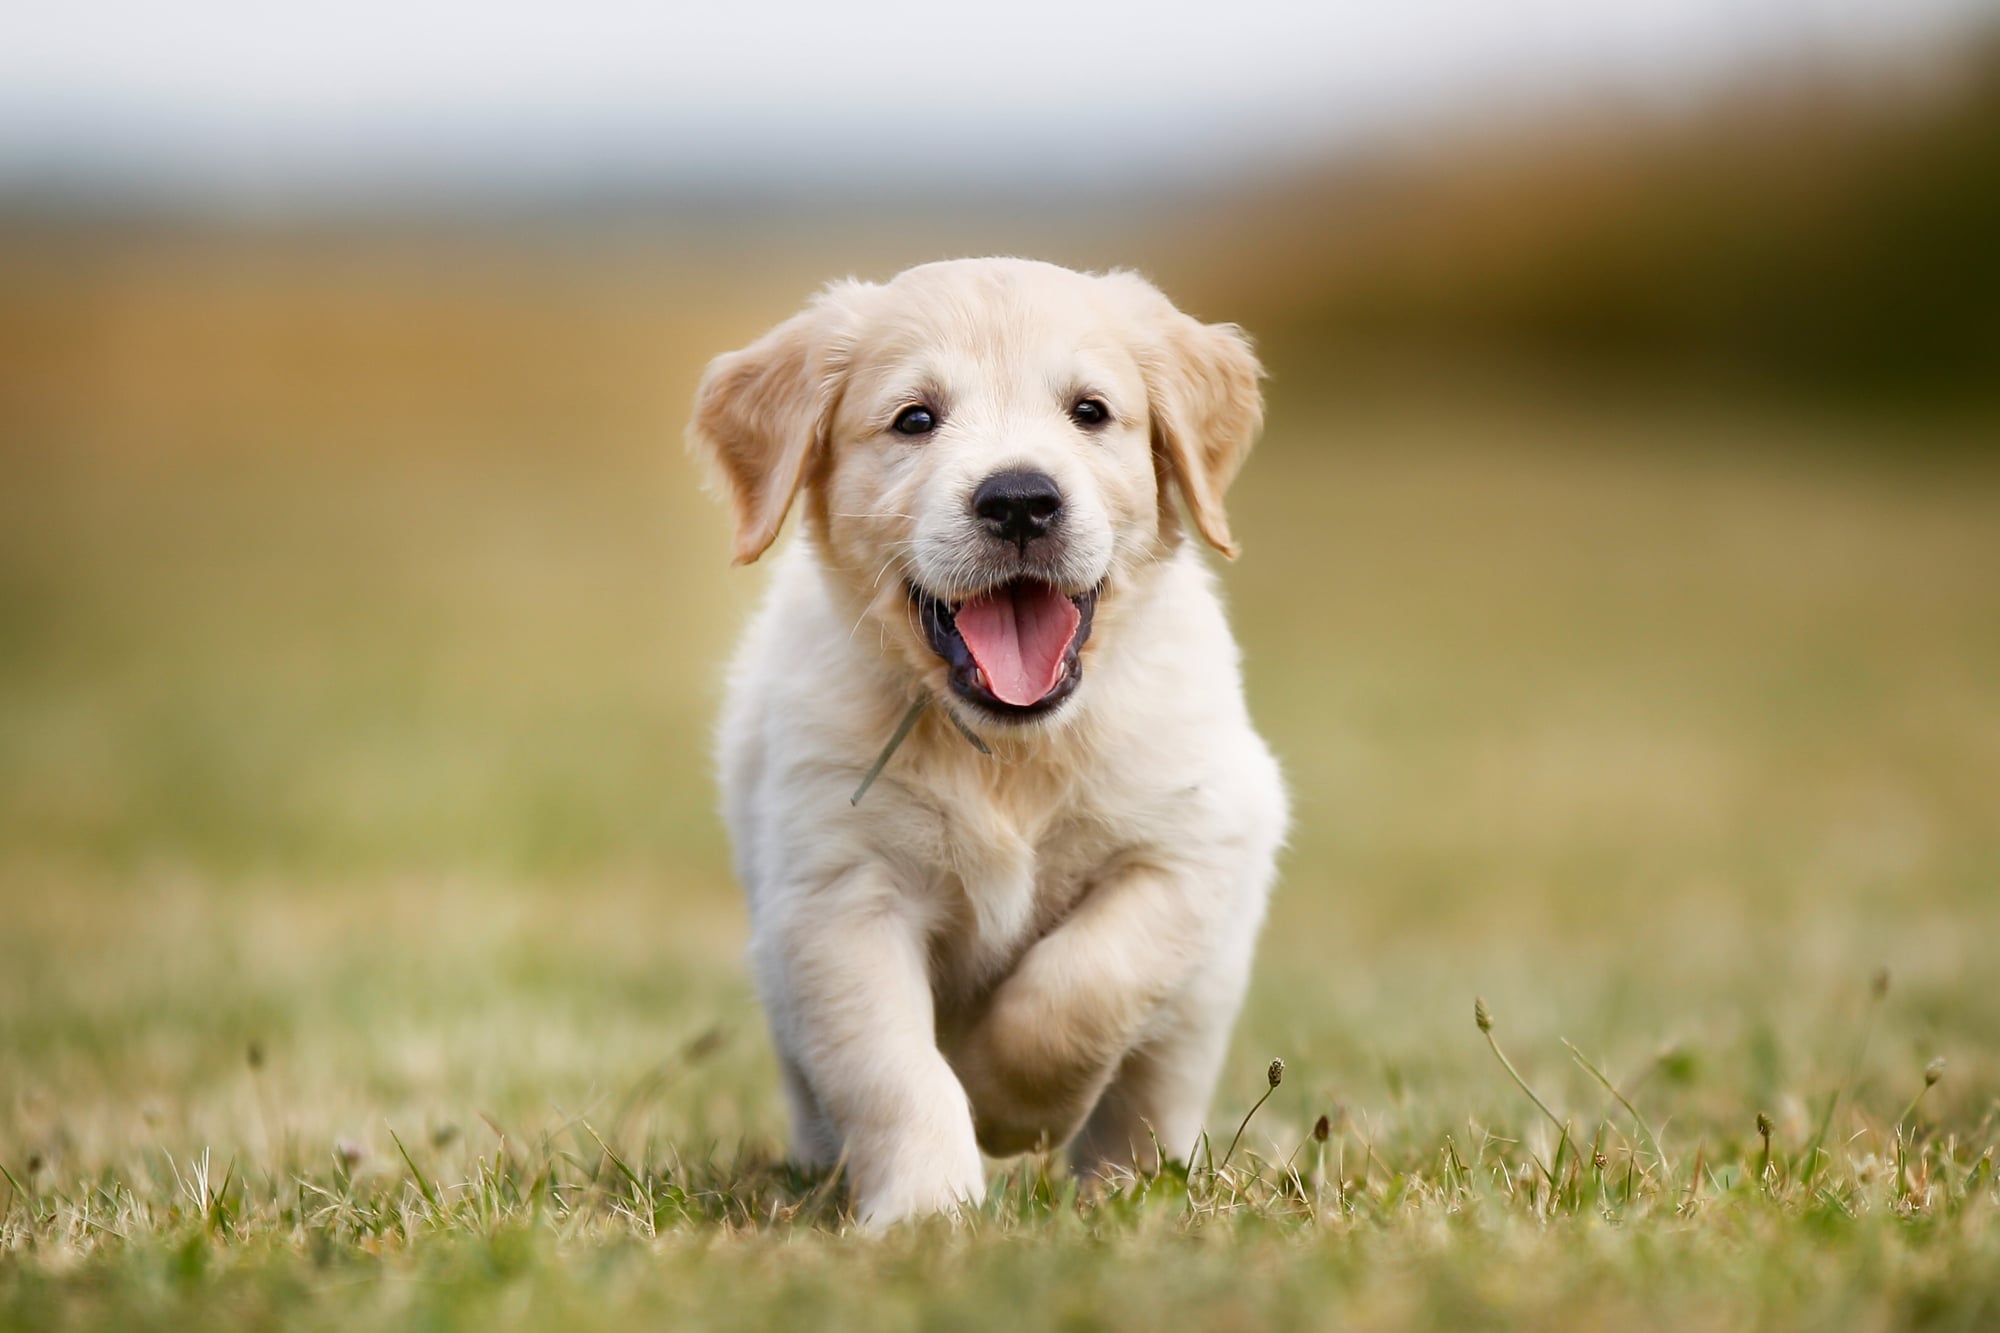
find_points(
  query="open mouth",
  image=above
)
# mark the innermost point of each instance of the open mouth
(1014, 649)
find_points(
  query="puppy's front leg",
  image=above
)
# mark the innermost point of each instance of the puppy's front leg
(1058, 1026)
(845, 971)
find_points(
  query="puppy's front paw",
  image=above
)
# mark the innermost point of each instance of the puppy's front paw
(921, 1185)
(1007, 1126)
(1029, 1082)
(921, 1159)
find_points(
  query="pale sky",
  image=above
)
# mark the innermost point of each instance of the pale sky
(268, 93)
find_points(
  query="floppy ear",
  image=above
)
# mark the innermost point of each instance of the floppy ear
(1201, 382)
(759, 417)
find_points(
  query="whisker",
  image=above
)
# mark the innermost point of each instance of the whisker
(877, 582)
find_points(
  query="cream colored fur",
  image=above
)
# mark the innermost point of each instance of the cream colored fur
(1049, 944)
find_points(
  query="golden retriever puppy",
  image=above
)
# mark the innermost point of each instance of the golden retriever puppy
(1036, 925)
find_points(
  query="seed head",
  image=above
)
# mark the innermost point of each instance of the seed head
(1276, 1073)
(1481, 1014)
(1321, 1128)
(1763, 1125)
(1933, 1072)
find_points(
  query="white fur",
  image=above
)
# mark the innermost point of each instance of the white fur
(1049, 944)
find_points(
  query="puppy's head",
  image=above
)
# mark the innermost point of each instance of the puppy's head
(987, 450)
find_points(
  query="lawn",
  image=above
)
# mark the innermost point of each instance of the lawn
(368, 955)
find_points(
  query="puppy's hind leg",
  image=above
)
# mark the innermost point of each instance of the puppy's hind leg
(1154, 1106)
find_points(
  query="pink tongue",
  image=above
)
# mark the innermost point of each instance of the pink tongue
(1018, 635)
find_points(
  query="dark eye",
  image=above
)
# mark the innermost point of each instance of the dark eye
(914, 421)
(1090, 412)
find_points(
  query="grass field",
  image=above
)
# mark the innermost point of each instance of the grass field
(368, 956)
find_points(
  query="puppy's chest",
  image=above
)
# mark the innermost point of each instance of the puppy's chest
(1004, 891)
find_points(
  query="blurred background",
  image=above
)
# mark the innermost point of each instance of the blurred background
(1622, 573)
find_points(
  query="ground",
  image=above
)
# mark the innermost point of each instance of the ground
(370, 958)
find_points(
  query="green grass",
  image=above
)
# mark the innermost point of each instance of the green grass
(368, 956)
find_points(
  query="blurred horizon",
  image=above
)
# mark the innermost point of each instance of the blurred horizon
(226, 112)
(1818, 229)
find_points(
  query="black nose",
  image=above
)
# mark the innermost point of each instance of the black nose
(1018, 506)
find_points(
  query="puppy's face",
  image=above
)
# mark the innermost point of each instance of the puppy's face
(985, 448)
